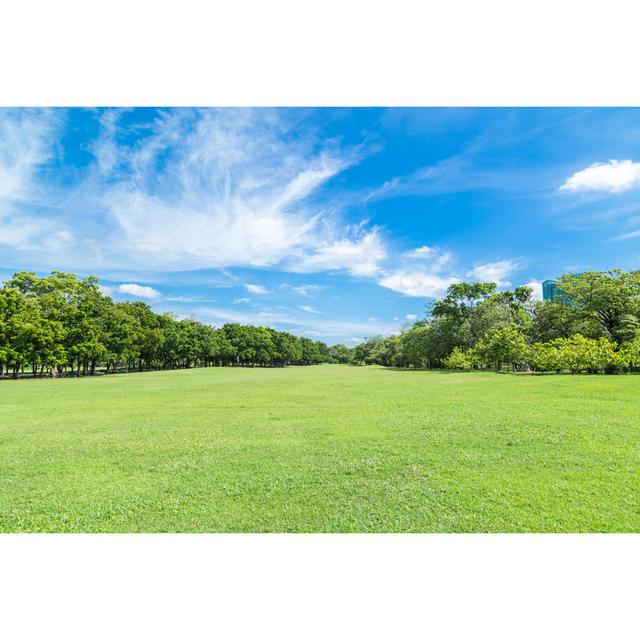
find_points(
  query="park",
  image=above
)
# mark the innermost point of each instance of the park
(326, 448)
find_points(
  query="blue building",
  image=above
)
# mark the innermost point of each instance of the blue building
(550, 290)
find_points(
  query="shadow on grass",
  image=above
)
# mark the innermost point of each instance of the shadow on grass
(446, 372)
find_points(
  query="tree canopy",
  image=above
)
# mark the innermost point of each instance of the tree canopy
(65, 324)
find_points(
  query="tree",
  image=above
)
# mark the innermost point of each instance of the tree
(502, 345)
(458, 360)
(339, 354)
(556, 319)
(611, 297)
(417, 346)
(630, 353)
(578, 354)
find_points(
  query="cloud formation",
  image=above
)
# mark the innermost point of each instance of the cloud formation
(427, 278)
(139, 291)
(497, 272)
(614, 176)
(257, 289)
(224, 188)
(536, 287)
(417, 283)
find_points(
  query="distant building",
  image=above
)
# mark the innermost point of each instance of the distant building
(550, 290)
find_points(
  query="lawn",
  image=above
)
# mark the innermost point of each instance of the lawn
(323, 449)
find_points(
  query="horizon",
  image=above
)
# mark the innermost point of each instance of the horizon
(333, 223)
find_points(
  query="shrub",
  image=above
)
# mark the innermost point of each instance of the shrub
(544, 356)
(630, 353)
(576, 354)
(458, 359)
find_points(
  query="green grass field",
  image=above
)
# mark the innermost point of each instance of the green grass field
(325, 448)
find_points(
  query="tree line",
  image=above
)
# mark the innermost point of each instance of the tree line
(592, 326)
(65, 325)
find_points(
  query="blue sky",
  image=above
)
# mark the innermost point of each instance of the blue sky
(331, 223)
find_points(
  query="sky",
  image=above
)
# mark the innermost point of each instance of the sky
(332, 223)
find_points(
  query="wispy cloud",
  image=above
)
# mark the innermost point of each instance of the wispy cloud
(27, 144)
(453, 175)
(304, 289)
(420, 253)
(628, 235)
(497, 272)
(307, 308)
(360, 254)
(239, 183)
(310, 324)
(428, 278)
(257, 289)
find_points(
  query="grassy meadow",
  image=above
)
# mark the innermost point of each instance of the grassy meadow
(320, 449)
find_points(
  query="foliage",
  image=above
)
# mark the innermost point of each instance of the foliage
(630, 353)
(502, 345)
(62, 323)
(576, 354)
(459, 360)
(474, 325)
(611, 297)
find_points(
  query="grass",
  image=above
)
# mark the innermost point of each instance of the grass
(326, 448)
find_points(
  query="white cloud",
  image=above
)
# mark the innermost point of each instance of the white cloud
(361, 255)
(257, 289)
(420, 252)
(428, 279)
(200, 188)
(494, 272)
(411, 317)
(320, 325)
(139, 291)
(307, 308)
(307, 289)
(614, 176)
(373, 319)
(416, 283)
(536, 286)
(241, 300)
(57, 240)
(242, 188)
(628, 235)
(26, 143)
(105, 290)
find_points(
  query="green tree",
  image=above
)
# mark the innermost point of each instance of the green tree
(458, 360)
(611, 297)
(502, 345)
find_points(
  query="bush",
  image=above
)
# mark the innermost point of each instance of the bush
(458, 359)
(576, 354)
(545, 356)
(630, 353)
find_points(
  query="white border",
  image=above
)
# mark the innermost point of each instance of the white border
(334, 52)
(318, 586)
(322, 54)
